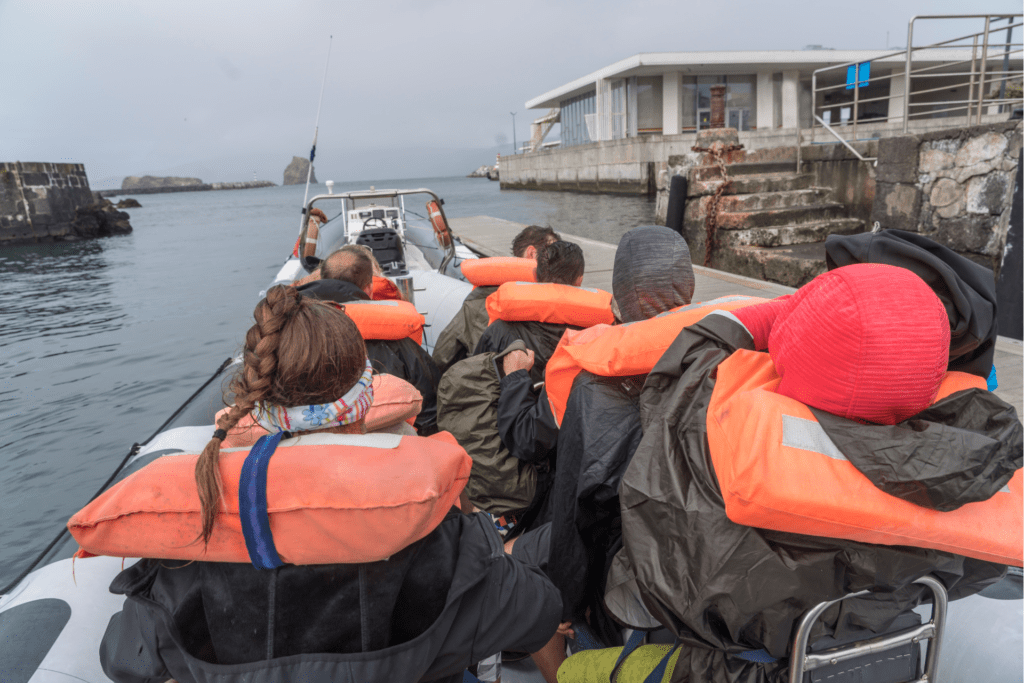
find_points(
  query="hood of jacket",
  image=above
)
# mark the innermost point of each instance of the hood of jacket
(652, 273)
(966, 289)
(721, 585)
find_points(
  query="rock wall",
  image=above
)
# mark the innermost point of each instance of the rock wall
(295, 173)
(44, 202)
(955, 186)
(136, 183)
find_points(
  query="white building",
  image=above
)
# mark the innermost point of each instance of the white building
(669, 93)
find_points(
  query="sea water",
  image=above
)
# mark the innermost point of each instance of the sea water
(101, 340)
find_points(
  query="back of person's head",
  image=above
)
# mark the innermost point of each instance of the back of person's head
(299, 352)
(652, 273)
(350, 265)
(561, 263)
(363, 249)
(865, 342)
(532, 240)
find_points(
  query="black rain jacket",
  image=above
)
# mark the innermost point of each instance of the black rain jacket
(732, 588)
(599, 434)
(402, 358)
(426, 613)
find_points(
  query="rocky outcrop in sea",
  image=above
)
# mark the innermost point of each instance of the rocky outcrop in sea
(296, 172)
(137, 183)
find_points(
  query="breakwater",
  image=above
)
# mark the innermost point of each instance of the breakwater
(46, 202)
(202, 187)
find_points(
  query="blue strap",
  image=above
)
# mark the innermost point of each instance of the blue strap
(993, 381)
(632, 644)
(659, 671)
(252, 503)
(756, 656)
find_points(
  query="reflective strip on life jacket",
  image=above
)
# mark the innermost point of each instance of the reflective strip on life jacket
(386, 319)
(778, 469)
(623, 350)
(331, 498)
(547, 302)
(497, 270)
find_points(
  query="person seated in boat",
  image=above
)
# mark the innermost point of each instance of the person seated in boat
(855, 385)
(458, 339)
(347, 276)
(600, 428)
(425, 612)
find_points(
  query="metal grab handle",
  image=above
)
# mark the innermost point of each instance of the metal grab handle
(800, 661)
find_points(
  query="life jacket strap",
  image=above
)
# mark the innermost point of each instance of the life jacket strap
(252, 503)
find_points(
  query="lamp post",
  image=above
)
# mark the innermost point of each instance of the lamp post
(515, 147)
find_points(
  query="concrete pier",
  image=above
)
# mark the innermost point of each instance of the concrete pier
(493, 237)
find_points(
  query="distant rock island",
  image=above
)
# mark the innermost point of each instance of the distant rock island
(133, 182)
(148, 184)
(296, 172)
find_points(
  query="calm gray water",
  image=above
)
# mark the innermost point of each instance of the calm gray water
(100, 341)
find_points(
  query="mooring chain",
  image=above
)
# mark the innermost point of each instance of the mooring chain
(717, 152)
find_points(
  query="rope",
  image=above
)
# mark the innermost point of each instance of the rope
(131, 453)
(716, 154)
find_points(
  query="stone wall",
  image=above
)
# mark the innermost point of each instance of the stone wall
(38, 200)
(204, 187)
(955, 186)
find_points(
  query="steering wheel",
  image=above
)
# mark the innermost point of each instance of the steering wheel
(369, 222)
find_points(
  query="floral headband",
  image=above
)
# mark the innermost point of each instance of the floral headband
(350, 408)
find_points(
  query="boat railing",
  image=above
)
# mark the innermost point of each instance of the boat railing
(801, 661)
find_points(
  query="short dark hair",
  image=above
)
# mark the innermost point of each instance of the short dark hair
(533, 236)
(560, 262)
(349, 265)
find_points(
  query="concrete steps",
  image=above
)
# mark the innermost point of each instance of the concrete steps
(743, 169)
(774, 182)
(791, 265)
(774, 200)
(786, 235)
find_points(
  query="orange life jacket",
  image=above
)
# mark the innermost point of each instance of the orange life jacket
(623, 350)
(546, 302)
(497, 270)
(386, 319)
(385, 290)
(799, 488)
(331, 498)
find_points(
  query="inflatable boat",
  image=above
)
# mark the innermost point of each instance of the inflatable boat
(54, 615)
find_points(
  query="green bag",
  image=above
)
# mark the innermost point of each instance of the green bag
(467, 406)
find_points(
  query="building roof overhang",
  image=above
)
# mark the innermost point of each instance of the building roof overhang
(741, 62)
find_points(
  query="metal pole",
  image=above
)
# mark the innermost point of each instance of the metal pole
(906, 77)
(970, 88)
(981, 80)
(1006, 62)
(515, 147)
(856, 97)
(316, 131)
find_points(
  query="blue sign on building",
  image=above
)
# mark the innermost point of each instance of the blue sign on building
(861, 78)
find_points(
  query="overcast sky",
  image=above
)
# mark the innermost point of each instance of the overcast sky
(220, 90)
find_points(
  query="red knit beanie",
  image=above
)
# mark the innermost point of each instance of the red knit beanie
(866, 341)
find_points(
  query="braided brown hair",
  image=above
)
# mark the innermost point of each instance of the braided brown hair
(299, 351)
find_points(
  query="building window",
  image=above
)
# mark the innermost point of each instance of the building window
(574, 115)
(648, 104)
(618, 109)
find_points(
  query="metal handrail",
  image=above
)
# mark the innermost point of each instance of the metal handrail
(801, 661)
(845, 143)
(982, 80)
